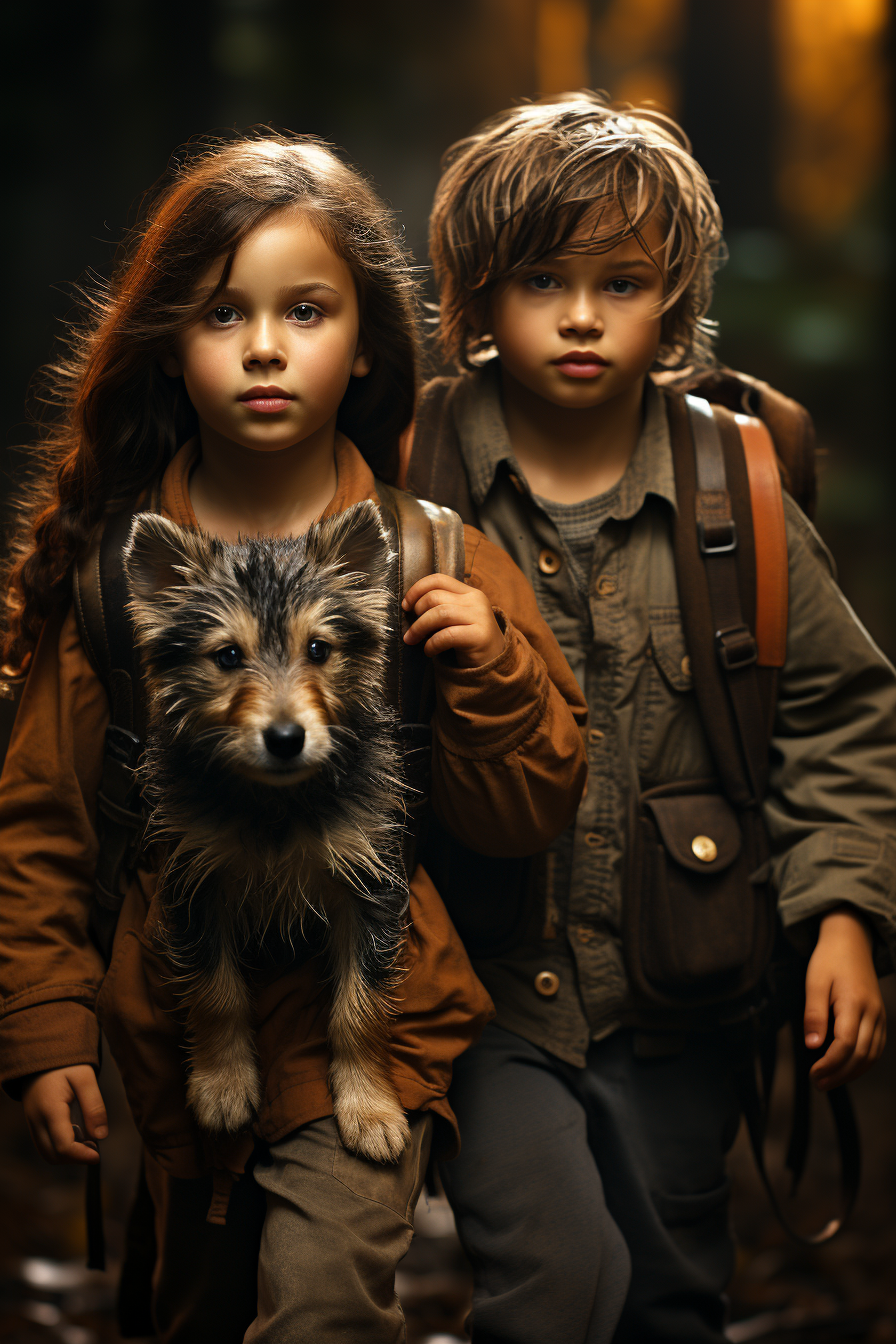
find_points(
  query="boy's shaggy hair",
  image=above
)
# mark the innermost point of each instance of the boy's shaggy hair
(524, 183)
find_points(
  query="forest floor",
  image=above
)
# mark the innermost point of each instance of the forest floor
(782, 1293)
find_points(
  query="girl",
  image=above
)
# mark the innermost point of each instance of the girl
(254, 360)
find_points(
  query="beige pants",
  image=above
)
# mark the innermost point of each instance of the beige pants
(332, 1229)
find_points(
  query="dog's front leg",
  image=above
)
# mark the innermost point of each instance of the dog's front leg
(223, 1089)
(370, 1117)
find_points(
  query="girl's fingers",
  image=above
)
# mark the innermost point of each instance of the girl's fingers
(450, 637)
(444, 581)
(437, 618)
(90, 1099)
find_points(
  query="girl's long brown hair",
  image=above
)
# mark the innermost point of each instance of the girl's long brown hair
(118, 419)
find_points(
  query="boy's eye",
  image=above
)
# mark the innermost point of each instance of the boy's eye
(542, 282)
(318, 650)
(305, 313)
(619, 285)
(224, 315)
(229, 657)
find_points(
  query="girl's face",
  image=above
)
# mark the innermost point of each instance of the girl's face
(269, 362)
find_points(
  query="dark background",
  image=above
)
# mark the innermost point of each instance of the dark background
(789, 107)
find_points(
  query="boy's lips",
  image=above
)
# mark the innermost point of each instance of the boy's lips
(266, 398)
(580, 364)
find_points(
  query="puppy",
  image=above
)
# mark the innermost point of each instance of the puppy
(273, 777)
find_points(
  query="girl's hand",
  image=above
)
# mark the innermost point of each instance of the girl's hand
(450, 615)
(47, 1099)
(841, 978)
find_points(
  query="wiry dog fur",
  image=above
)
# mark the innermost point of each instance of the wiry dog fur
(273, 779)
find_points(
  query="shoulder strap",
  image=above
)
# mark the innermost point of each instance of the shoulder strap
(769, 541)
(433, 466)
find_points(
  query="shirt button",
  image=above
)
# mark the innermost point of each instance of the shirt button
(704, 848)
(605, 586)
(595, 735)
(516, 483)
(547, 984)
(594, 840)
(584, 934)
(549, 561)
(686, 666)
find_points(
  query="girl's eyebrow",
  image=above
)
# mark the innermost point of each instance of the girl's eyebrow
(231, 294)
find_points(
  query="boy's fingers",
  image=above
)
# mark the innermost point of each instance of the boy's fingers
(840, 1052)
(422, 586)
(818, 1003)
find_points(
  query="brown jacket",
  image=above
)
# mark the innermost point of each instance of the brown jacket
(508, 770)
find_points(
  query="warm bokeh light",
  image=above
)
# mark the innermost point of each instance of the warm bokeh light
(635, 44)
(562, 45)
(833, 86)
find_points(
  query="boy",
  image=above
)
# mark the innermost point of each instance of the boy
(573, 249)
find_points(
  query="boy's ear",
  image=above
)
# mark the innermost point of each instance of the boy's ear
(356, 541)
(155, 556)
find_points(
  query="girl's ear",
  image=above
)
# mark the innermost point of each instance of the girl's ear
(155, 556)
(362, 362)
(170, 364)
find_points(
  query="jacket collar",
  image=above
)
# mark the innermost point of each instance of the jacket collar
(484, 443)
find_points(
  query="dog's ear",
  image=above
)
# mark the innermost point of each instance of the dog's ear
(356, 540)
(156, 555)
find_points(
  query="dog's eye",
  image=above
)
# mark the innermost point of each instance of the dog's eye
(229, 657)
(318, 650)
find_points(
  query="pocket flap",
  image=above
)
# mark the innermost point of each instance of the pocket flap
(699, 831)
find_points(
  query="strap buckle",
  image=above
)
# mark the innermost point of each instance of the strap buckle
(736, 647)
(722, 539)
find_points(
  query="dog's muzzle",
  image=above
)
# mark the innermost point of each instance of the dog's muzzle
(285, 741)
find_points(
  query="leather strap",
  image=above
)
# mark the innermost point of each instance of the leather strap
(770, 541)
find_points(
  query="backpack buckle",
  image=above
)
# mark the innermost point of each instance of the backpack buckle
(736, 647)
(717, 538)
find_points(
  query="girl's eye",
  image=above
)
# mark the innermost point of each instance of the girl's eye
(229, 657)
(542, 282)
(305, 314)
(224, 315)
(318, 650)
(621, 286)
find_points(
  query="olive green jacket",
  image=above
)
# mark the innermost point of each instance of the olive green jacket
(831, 806)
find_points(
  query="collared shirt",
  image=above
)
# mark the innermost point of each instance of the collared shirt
(831, 807)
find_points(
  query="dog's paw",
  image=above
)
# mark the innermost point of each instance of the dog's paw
(223, 1099)
(369, 1116)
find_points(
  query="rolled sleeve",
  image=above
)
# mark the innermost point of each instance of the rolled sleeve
(831, 806)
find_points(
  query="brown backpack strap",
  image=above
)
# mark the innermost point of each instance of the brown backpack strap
(770, 541)
(434, 465)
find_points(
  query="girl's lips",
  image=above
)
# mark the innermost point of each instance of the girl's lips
(266, 403)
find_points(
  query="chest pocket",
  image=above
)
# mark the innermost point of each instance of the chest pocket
(669, 650)
(671, 742)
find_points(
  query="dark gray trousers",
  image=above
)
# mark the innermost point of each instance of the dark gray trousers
(592, 1202)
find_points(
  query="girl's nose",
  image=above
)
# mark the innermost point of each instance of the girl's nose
(262, 347)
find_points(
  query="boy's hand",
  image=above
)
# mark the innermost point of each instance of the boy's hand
(450, 615)
(841, 978)
(47, 1099)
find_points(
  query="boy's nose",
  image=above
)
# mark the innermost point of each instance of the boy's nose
(582, 319)
(284, 740)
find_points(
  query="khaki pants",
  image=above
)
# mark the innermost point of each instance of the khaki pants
(309, 1252)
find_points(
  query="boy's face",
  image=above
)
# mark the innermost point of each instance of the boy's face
(581, 328)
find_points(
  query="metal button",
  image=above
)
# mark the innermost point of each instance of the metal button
(595, 735)
(547, 984)
(605, 586)
(594, 840)
(704, 848)
(584, 934)
(549, 561)
(686, 666)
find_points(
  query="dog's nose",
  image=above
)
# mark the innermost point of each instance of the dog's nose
(284, 740)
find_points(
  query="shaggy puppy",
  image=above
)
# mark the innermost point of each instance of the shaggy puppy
(273, 777)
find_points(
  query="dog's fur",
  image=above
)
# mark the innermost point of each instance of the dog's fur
(257, 844)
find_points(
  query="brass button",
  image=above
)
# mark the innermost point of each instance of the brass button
(686, 666)
(549, 561)
(594, 840)
(547, 984)
(704, 848)
(584, 934)
(605, 586)
(595, 735)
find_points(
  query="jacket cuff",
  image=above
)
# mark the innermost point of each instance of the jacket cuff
(45, 1036)
(486, 712)
(840, 866)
